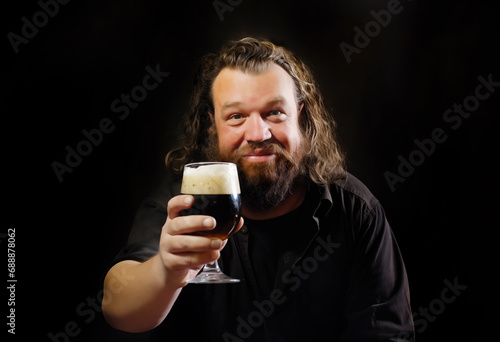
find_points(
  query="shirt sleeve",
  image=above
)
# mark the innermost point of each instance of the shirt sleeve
(378, 300)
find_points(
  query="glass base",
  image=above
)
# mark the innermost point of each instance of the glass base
(212, 274)
(212, 278)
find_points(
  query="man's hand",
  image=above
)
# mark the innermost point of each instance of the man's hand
(183, 255)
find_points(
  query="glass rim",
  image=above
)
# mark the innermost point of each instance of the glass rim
(209, 163)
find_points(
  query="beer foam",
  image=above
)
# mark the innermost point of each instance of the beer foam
(210, 179)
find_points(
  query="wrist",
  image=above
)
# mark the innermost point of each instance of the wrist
(170, 279)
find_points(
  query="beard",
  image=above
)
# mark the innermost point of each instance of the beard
(264, 184)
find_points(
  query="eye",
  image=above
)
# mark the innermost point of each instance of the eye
(236, 116)
(276, 115)
(235, 119)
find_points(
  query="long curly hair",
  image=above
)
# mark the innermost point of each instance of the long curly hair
(324, 160)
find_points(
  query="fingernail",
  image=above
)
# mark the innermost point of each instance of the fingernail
(216, 244)
(208, 222)
(188, 200)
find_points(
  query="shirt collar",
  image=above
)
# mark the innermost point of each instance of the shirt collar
(320, 199)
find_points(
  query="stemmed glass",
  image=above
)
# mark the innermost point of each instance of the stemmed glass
(216, 190)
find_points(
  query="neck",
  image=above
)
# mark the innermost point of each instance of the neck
(292, 202)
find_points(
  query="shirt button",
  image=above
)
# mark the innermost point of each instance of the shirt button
(244, 230)
(287, 257)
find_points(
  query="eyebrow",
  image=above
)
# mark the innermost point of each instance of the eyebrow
(273, 101)
(229, 105)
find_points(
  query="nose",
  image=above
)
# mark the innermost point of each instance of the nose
(257, 130)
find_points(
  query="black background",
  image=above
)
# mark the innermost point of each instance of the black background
(394, 91)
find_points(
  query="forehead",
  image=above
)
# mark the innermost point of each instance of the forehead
(235, 85)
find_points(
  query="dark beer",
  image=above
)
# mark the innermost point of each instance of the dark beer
(225, 209)
(216, 193)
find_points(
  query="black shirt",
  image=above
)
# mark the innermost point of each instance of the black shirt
(268, 242)
(329, 271)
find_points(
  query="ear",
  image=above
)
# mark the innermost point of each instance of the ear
(301, 105)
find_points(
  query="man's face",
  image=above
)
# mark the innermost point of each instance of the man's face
(256, 121)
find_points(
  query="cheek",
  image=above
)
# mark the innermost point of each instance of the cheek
(290, 138)
(228, 139)
(297, 141)
(297, 138)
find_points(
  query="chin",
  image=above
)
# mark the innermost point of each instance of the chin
(257, 169)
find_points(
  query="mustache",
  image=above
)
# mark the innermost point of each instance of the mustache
(264, 147)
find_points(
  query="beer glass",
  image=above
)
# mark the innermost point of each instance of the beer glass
(216, 191)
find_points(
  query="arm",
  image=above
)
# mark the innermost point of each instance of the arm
(138, 296)
(378, 302)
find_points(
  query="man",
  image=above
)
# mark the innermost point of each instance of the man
(315, 253)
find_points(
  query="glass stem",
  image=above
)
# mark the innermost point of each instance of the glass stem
(212, 267)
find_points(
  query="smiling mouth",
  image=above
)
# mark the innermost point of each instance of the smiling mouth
(259, 156)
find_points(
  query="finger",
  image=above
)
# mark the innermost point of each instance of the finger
(191, 243)
(180, 261)
(190, 224)
(241, 223)
(178, 203)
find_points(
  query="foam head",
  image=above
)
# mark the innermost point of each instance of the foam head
(213, 179)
